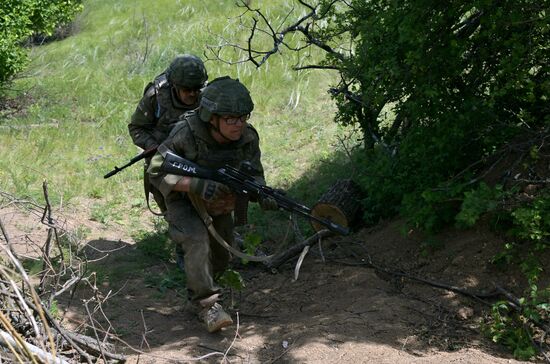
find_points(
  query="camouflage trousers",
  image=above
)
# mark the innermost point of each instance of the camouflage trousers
(204, 257)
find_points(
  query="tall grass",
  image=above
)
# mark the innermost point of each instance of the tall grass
(85, 88)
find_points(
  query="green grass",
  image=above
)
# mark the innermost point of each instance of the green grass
(84, 89)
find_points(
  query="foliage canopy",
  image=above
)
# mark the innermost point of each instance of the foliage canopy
(452, 100)
(20, 19)
(439, 90)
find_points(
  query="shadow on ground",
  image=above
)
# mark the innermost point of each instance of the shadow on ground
(338, 311)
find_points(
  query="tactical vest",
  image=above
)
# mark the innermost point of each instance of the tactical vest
(200, 147)
(168, 109)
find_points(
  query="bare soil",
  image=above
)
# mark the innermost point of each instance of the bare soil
(339, 310)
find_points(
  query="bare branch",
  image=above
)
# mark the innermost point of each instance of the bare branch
(303, 26)
(313, 66)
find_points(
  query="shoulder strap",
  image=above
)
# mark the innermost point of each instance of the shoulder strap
(207, 219)
(147, 189)
(152, 89)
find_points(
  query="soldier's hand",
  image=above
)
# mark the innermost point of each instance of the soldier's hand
(207, 189)
(268, 203)
(221, 206)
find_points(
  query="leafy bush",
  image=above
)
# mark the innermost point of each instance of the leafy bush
(463, 80)
(442, 92)
(515, 325)
(20, 19)
(437, 89)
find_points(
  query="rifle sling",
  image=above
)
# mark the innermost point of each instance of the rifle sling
(198, 203)
(147, 189)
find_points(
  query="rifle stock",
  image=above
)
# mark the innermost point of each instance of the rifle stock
(245, 184)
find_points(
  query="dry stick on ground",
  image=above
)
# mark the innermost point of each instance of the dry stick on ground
(224, 359)
(47, 318)
(95, 331)
(56, 326)
(10, 343)
(300, 261)
(52, 232)
(33, 293)
(281, 258)
(478, 296)
(141, 352)
(76, 340)
(145, 332)
(17, 339)
(8, 340)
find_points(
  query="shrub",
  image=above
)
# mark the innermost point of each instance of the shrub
(19, 19)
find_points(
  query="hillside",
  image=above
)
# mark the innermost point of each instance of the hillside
(437, 138)
(347, 305)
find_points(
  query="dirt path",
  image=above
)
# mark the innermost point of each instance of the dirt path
(338, 311)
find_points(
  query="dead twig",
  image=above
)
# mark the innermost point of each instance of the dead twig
(300, 261)
(281, 258)
(262, 26)
(32, 350)
(224, 359)
(145, 332)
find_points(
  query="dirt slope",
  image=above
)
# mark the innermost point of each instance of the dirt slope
(340, 310)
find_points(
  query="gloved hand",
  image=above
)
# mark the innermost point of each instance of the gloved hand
(207, 189)
(268, 203)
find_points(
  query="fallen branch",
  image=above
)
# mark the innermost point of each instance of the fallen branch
(295, 250)
(30, 306)
(478, 296)
(7, 340)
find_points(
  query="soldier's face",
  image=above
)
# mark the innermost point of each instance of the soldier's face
(188, 96)
(231, 126)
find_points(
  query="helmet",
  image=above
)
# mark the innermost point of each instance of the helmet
(187, 71)
(225, 95)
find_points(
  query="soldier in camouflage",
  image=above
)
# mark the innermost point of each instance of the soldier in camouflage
(215, 134)
(170, 95)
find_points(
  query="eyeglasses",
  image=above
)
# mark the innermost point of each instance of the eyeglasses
(232, 120)
(189, 90)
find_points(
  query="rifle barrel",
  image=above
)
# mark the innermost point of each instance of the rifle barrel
(146, 153)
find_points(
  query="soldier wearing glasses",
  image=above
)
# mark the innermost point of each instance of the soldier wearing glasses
(215, 134)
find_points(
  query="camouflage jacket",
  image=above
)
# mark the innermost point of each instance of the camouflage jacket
(156, 113)
(191, 139)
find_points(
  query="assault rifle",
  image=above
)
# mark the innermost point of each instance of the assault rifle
(145, 154)
(243, 184)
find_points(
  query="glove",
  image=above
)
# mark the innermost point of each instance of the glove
(268, 203)
(221, 206)
(207, 189)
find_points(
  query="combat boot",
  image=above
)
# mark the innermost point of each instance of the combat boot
(215, 317)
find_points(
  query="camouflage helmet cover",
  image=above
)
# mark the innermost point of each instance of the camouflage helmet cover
(187, 71)
(225, 96)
